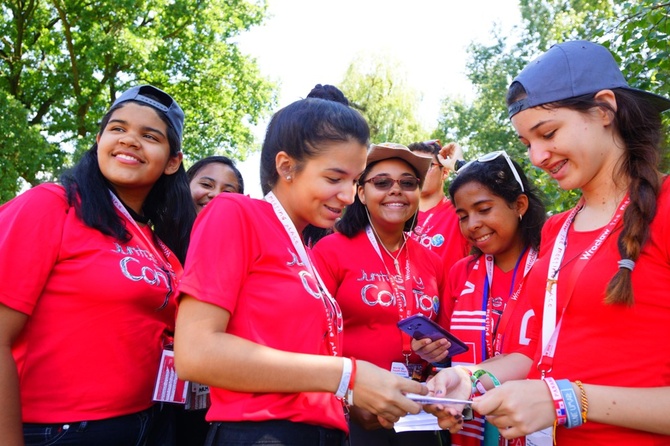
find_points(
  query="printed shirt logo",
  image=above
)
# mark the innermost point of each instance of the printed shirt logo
(372, 294)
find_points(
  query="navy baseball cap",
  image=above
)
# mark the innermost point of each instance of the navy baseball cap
(160, 100)
(571, 69)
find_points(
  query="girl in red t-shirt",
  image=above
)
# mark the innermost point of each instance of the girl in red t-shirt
(255, 322)
(601, 367)
(88, 269)
(379, 275)
(501, 216)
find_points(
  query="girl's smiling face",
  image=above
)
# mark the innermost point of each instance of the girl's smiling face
(487, 220)
(213, 179)
(133, 151)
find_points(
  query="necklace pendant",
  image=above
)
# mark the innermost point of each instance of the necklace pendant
(397, 266)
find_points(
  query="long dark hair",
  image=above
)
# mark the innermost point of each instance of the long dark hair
(355, 218)
(638, 123)
(301, 129)
(168, 205)
(497, 177)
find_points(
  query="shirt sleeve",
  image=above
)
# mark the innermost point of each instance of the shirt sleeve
(32, 227)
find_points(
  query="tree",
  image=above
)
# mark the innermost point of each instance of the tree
(376, 86)
(636, 31)
(64, 62)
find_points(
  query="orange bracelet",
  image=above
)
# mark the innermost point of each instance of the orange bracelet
(585, 400)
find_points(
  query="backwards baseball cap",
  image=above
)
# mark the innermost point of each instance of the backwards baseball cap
(573, 69)
(388, 150)
(159, 99)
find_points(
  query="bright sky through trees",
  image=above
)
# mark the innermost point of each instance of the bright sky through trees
(305, 42)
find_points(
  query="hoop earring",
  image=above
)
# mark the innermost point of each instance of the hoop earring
(520, 217)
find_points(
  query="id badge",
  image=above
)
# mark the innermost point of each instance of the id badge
(400, 369)
(198, 396)
(169, 388)
(413, 371)
(545, 437)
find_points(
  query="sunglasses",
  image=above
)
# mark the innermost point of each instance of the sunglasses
(490, 157)
(386, 183)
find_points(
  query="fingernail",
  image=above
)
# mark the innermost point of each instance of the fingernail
(439, 392)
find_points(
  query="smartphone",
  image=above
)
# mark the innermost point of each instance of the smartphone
(419, 326)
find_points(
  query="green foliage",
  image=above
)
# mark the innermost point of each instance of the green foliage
(376, 87)
(23, 150)
(65, 61)
(635, 30)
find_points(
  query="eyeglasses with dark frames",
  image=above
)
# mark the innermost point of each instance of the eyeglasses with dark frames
(385, 183)
(490, 157)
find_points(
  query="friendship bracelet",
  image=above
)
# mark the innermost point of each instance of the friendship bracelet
(571, 404)
(559, 404)
(345, 379)
(585, 400)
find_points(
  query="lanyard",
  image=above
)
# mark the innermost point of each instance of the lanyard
(330, 306)
(403, 303)
(494, 334)
(551, 329)
(164, 262)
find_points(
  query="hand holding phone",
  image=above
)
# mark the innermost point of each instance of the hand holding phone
(419, 326)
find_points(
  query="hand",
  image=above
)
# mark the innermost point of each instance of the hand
(431, 351)
(517, 408)
(449, 154)
(383, 393)
(453, 382)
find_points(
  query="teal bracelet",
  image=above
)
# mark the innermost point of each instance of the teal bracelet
(574, 413)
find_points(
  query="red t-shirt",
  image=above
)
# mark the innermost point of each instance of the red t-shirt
(92, 344)
(355, 275)
(611, 345)
(241, 259)
(438, 230)
(468, 321)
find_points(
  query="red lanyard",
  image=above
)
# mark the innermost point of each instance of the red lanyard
(551, 329)
(330, 306)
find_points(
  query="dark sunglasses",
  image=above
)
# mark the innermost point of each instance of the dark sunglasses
(386, 183)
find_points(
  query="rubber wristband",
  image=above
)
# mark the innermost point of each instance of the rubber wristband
(352, 379)
(559, 404)
(479, 373)
(345, 379)
(585, 400)
(571, 403)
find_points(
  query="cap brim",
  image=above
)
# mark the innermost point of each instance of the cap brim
(420, 163)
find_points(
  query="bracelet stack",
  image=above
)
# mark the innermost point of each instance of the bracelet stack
(568, 411)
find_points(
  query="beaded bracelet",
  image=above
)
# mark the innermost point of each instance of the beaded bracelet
(574, 417)
(585, 400)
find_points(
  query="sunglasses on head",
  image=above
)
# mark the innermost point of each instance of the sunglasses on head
(490, 157)
(386, 183)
